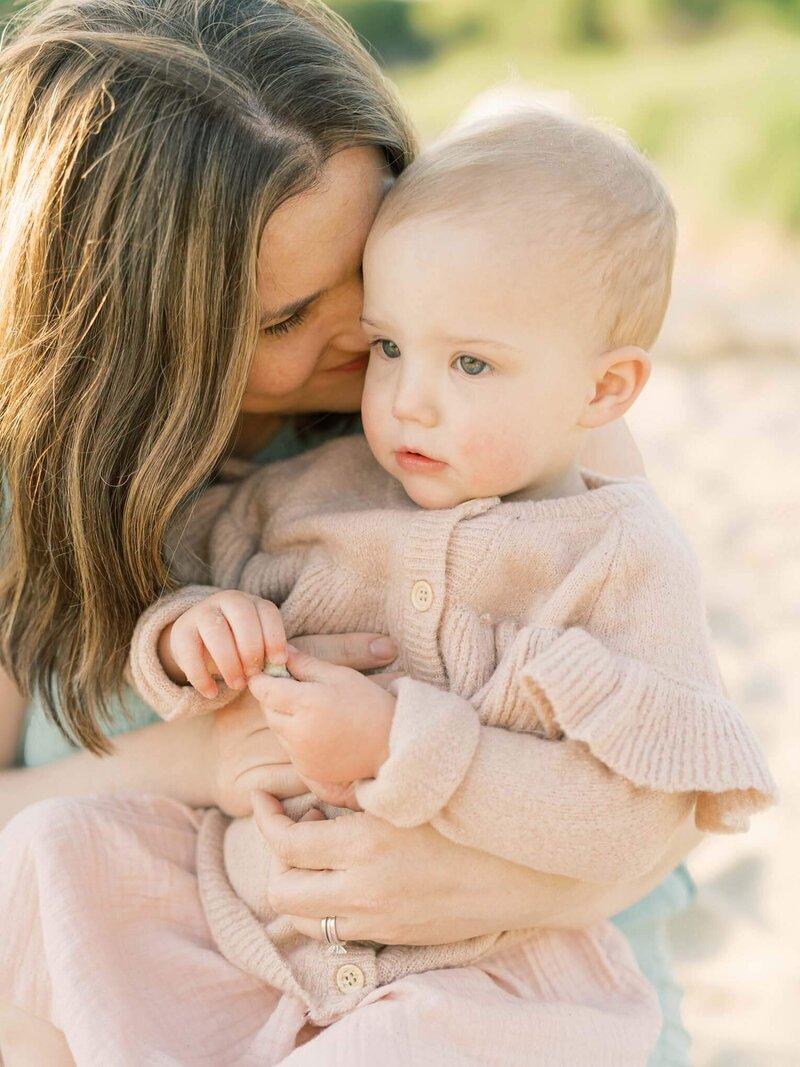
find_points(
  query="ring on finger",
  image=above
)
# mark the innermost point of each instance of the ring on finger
(336, 947)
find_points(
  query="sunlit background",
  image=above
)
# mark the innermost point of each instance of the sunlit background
(711, 90)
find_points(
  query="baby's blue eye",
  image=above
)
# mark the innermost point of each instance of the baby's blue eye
(390, 349)
(471, 365)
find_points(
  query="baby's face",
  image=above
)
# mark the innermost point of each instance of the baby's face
(480, 364)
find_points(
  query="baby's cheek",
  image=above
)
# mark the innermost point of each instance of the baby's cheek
(492, 456)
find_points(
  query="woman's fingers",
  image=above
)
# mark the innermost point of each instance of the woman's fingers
(281, 780)
(362, 652)
(307, 894)
(311, 845)
(348, 929)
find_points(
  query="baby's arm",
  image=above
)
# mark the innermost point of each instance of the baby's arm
(208, 629)
(636, 730)
(547, 804)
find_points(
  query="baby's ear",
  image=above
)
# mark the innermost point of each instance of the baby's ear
(619, 377)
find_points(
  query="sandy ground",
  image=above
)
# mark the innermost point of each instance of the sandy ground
(719, 426)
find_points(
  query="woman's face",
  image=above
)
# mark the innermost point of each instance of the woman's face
(312, 354)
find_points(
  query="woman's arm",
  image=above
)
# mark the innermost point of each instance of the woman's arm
(173, 760)
(12, 720)
(414, 887)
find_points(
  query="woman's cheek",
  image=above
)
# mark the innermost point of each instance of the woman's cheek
(280, 367)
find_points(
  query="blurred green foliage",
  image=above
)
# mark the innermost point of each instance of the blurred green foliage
(390, 28)
(709, 88)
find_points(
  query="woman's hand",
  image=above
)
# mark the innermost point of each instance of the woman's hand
(248, 756)
(413, 886)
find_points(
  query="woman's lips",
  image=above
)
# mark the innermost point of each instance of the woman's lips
(416, 462)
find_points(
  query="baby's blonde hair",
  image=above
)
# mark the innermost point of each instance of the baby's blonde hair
(584, 186)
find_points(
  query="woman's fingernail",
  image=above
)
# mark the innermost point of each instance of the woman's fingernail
(383, 648)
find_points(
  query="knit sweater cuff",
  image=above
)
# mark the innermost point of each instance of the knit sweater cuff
(148, 676)
(432, 744)
(657, 732)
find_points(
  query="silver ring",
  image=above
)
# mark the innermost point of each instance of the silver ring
(337, 947)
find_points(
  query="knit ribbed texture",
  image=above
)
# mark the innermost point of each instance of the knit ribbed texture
(563, 708)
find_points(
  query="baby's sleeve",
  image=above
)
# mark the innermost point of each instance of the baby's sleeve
(542, 802)
(208, 552)
(638, 683)
(146, 673)
(627, 725)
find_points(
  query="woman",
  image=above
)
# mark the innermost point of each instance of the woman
(187, 186)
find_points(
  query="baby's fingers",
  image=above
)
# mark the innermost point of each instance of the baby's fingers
(216, 635)
(245, 624)
(191, 656)
(272, 631)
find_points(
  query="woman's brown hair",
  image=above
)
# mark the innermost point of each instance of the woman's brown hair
(143, 146)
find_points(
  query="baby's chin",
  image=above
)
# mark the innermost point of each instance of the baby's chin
(426, 493)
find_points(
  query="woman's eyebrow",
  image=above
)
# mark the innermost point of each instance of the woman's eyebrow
(288, 310)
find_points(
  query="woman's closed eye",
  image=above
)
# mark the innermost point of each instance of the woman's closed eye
(277, 329)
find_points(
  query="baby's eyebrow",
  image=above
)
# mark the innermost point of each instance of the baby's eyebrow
(468, 342)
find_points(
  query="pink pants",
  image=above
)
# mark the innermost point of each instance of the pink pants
(102, 934)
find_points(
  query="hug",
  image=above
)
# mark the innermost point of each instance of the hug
(326, 543)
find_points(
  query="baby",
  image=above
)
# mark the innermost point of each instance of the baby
(559, 704)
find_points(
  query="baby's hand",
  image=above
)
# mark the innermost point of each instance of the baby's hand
(230, 634)
(334, 722)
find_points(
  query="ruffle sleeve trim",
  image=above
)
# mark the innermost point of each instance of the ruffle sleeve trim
(655, 731)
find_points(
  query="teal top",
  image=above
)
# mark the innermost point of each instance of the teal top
(644, 924)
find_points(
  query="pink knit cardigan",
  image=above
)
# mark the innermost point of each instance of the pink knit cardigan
(562, 709)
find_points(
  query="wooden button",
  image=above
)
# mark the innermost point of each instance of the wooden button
(421, 595)
(349, 977)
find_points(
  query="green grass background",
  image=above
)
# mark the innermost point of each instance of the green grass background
(709, 88)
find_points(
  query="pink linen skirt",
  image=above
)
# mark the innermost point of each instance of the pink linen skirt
(102, 934)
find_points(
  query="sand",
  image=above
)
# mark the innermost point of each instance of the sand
(719, 426)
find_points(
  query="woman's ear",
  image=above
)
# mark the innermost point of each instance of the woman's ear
(620, 375)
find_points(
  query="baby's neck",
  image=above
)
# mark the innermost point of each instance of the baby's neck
(568, 482)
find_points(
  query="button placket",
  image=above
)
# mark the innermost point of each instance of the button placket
(422, 598)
